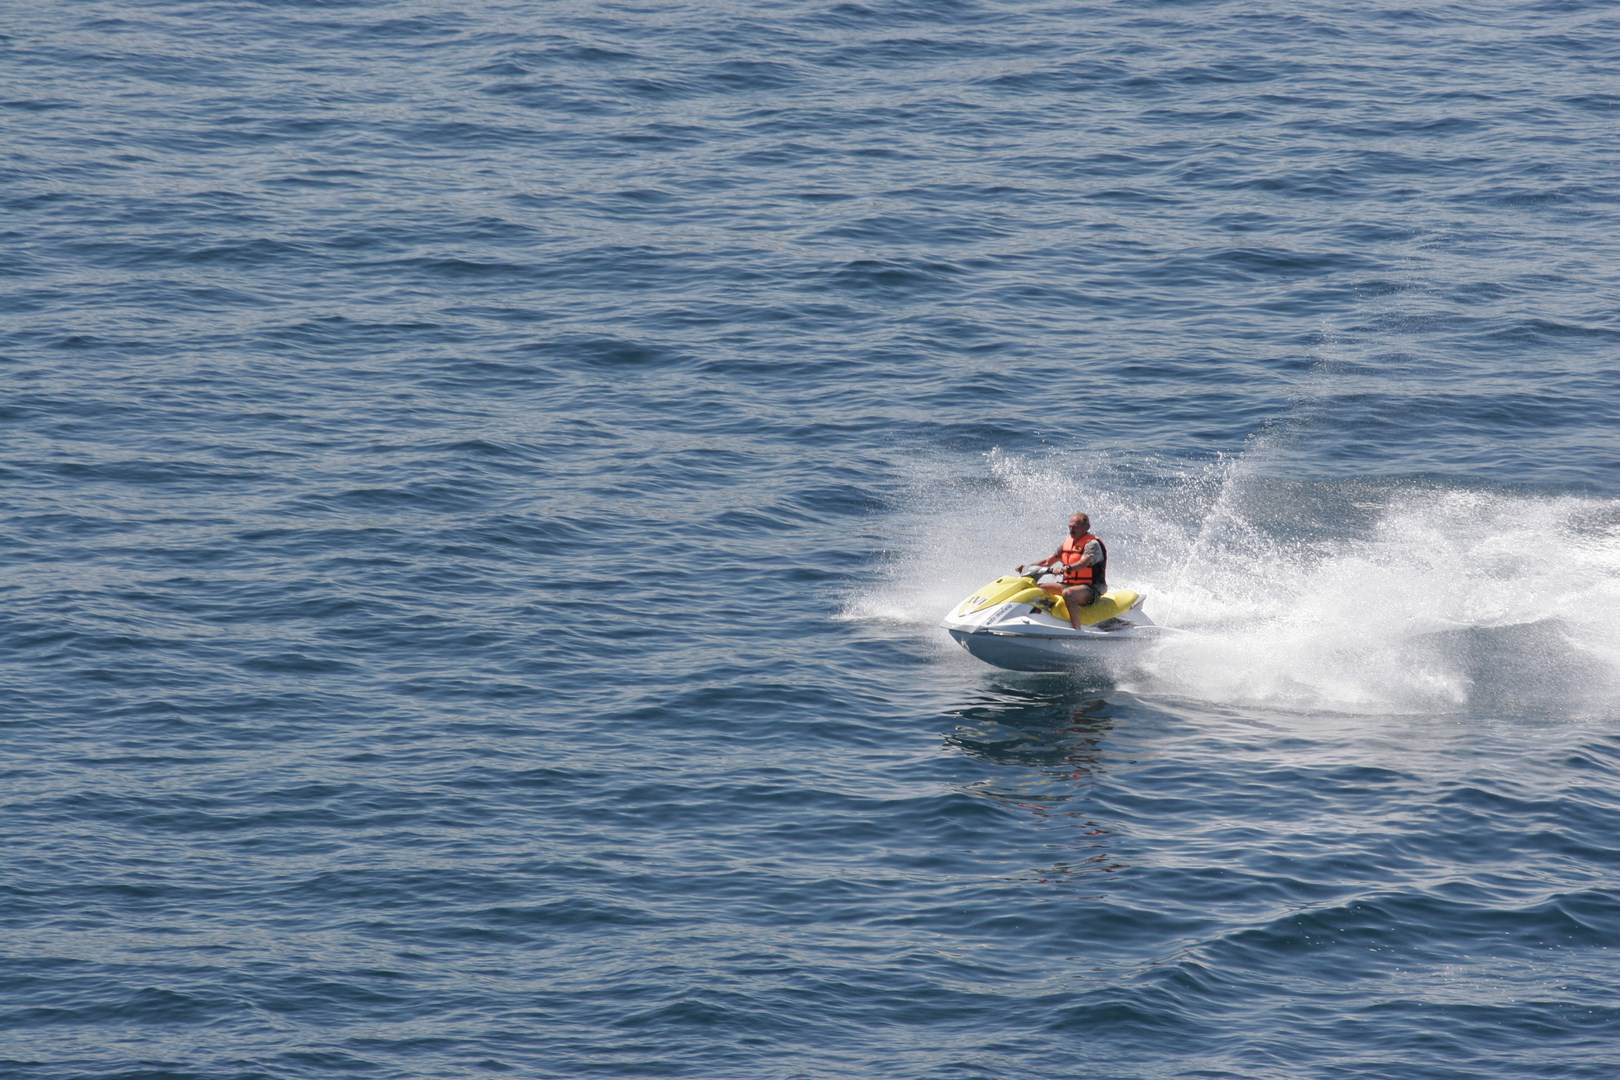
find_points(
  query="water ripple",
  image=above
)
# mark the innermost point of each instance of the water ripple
(480, 491)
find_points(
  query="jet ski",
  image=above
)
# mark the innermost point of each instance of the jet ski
(1020, 622)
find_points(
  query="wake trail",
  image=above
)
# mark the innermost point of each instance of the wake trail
(1361, 598)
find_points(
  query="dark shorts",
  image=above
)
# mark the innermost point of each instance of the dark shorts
(1085, 601)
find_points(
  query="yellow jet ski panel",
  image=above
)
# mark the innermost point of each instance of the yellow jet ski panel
(1110, 605)
(1021, 589)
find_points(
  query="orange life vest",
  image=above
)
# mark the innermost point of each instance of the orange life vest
(1095, 575)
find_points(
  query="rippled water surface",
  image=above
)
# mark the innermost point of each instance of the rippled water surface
(480, 483)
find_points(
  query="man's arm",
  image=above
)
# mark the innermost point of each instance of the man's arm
(1048, 561)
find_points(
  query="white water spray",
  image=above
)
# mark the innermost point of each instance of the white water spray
(1349, 598)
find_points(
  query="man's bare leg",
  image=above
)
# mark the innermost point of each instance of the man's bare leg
(1075, 598)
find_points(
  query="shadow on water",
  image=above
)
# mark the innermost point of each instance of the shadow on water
(1056, 726)
(1044, 742)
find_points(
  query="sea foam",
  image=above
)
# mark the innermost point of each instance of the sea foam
(1355, 597)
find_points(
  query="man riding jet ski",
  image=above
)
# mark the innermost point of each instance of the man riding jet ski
(1082, 560)
(1026, 624)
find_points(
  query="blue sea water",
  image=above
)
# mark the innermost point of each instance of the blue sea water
(479, 483)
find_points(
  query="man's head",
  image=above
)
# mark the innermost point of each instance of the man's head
(1079, 525)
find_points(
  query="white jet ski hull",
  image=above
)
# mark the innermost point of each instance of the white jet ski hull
(1013, 624)
(1023, 652)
